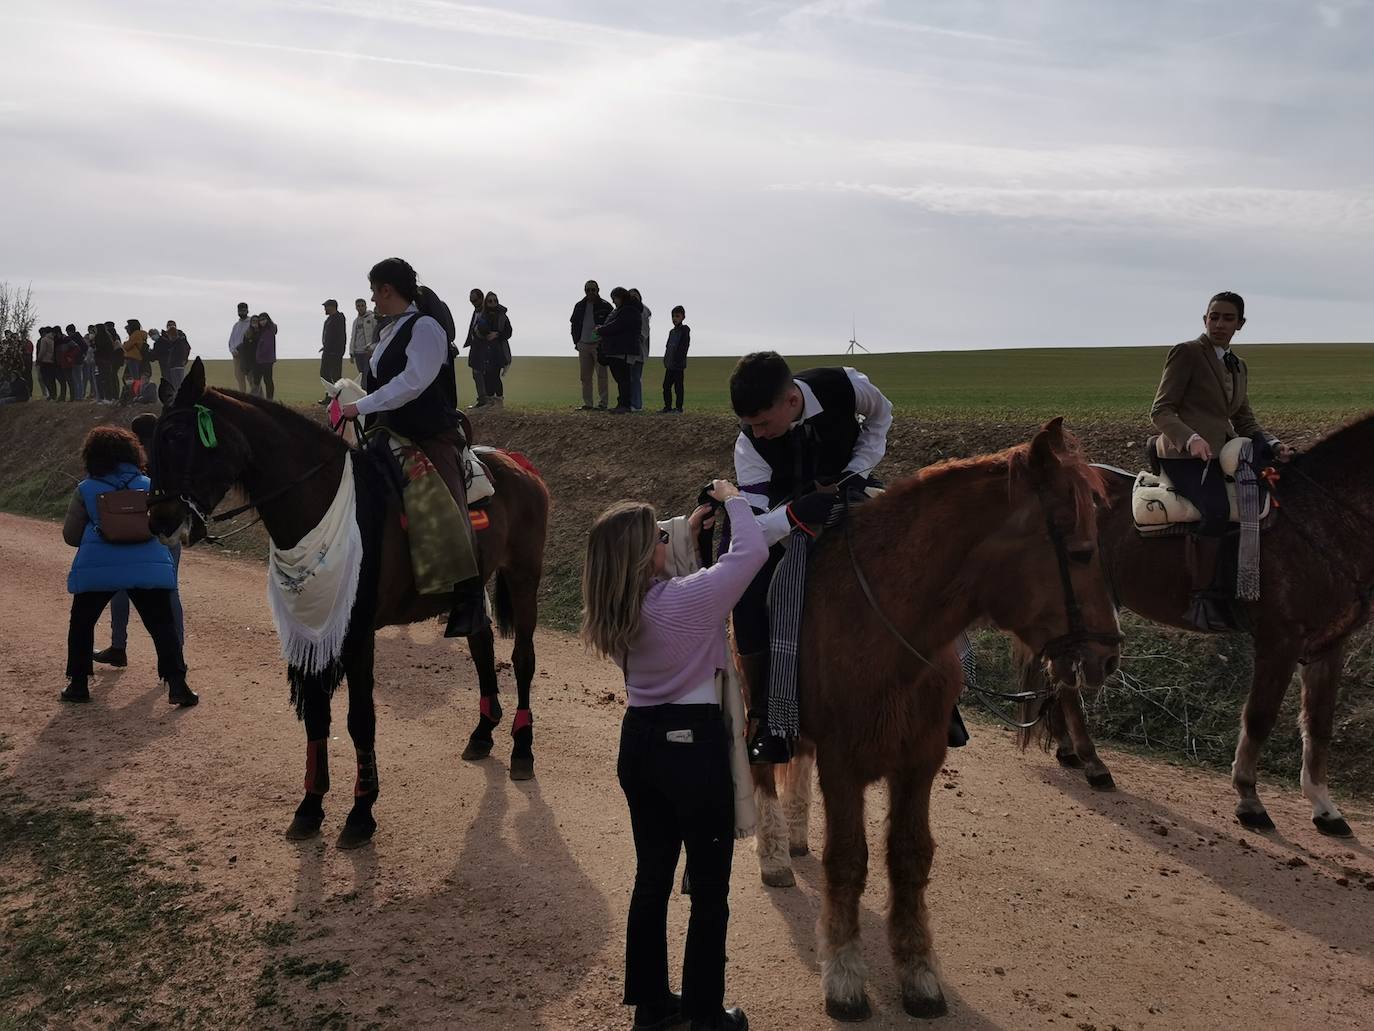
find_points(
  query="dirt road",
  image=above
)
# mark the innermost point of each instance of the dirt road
(488, 904)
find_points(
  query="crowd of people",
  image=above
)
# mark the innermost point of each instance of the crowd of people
(613, 337)
(99, 366)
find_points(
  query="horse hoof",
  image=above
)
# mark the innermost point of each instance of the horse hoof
(477, 750)
(1335, 826)
(1259, 821)
(355, 836)
(848, 1012)
(782, 878)
(303, 830)
(522, 767)
(797, 851)
(923, 1007)
(1068, 760)
(1101, 782)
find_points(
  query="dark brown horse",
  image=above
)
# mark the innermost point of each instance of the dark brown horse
(1317, 571)
(1009, 538)
(290, 466)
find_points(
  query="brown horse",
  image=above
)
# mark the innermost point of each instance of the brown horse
(1317, 571)
(1008, 538)
(290, 466)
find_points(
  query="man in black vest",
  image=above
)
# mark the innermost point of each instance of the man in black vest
(802, 435)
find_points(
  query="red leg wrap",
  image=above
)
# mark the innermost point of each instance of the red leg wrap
(523, 719)
(317, 766)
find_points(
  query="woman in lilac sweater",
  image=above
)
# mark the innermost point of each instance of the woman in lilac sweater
(668, 637)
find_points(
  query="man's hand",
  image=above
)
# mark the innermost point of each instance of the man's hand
(349, 411)
(1200, 449)
(1283, 452)
(704, 518)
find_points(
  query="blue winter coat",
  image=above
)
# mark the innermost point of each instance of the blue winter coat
(102, 566)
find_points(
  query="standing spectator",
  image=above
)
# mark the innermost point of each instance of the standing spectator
(178, 355)
(619, 341)
(76, 356)
(587, 315)
(143, 427)
(333, 342)
(243, 360)
(249, 348)
(363, 337)
(476, 346)
(134, 347)
(637, 362)
(28, 361)
(675, 359)
(266, 353)
(89, 379)
(108, 356)
(113, 460)
(14, 383)
(46, 356)
(64, 358)
(496, 331)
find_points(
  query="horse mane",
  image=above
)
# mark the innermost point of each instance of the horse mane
(1351, 437)
(294, 420)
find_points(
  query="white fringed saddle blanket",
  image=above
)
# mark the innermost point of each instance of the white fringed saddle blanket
(1158, 507)
(312, 587)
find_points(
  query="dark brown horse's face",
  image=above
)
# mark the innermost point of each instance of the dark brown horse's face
(1041, 575)
(197, 457)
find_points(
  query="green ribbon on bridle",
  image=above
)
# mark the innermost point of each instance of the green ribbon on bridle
(205, 426)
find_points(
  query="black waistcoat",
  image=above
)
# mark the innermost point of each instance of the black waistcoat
(818, 447)
(435, 410)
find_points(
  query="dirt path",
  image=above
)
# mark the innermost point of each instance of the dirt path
(488, 904)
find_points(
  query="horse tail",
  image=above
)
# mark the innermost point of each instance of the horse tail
(505, 607)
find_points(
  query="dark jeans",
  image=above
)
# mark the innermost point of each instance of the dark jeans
(680, 794)
(494, 383)
(262, 380)
(624, 384)
(108, 374)
(47, 378)
(154, 608)
(65, 385)
(331, 367)
(672, 380)
(479, 381)
(119, 609)
(1208, 495)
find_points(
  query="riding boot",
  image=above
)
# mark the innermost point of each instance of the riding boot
(957, 733)
(764, 747)
(179, 693)
(77, 691)
(1205, 612)
(469, 614)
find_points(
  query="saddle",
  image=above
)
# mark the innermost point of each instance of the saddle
(1160, 510)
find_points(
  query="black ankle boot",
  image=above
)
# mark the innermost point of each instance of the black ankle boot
(76, 691)
(469, 614)
(732, 1019)
(958, 733)
(768, 749)
(180, 694)
(664, 1015)
(111, 656)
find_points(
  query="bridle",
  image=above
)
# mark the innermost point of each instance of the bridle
(208, 439)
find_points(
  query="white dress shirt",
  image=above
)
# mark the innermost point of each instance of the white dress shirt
(236, 335)
(875, 412)
(424, 359)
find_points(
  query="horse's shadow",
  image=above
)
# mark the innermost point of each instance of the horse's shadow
(1250, 874)
(441, 672)
(801, 915)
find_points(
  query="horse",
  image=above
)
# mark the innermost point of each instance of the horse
(290, 467)
(1316, 580)
(1008, 538)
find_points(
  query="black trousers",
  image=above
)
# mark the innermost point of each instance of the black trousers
(624, 383)
(751, 611)
(492, 381)
(672, 379)
(1209, 495)
(331, 366)
(262, 377)
(680, 795)
(154, 608)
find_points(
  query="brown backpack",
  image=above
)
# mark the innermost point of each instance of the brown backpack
(124, 516)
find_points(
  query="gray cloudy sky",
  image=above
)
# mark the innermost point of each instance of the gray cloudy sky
(954, 173)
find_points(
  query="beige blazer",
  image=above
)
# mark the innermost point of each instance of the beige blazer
(1198, 394)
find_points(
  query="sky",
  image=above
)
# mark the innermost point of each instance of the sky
(947, 174)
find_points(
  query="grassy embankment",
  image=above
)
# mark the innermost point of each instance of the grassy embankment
(1180, 694)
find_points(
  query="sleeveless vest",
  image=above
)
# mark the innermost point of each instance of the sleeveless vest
(818, 447)
(102, 566)
(435, 411)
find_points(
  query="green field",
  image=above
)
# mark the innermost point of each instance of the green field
(1332, 380)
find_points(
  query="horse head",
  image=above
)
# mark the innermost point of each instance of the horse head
(197, 456)
(1065, 612)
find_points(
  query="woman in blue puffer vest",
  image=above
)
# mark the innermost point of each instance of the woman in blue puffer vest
(114, 459)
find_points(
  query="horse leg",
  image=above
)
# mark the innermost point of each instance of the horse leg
(1273, 671)
(910, 849)
(846, 869)
(315, 711)
(483, 650)
(523, 594)
(770, 832)
(1319, 680)
(359, 827)
(1081, 742)
(796, 801)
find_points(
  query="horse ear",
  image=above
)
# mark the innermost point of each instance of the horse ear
(1055, 429)
(1045, 450)
(193, 386)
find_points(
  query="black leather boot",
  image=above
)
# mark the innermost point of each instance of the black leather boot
(111, 656)
(768, 749)
(764, 748)
(732, 1019)
(180, 694)
(958, 733)
(469, 613)
(76, 691)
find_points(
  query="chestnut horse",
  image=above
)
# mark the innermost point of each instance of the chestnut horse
(290, 466)
(1009, 538)
(1316, 577)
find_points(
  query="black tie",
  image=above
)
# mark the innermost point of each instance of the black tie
(1232, 363)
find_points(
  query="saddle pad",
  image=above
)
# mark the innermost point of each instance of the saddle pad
(480, 486)
(1157, 506)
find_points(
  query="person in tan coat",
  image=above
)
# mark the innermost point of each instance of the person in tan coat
(1202, 402)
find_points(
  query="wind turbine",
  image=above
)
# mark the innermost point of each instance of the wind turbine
(854, 342)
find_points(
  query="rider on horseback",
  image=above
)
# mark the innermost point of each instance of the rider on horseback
(411, 389)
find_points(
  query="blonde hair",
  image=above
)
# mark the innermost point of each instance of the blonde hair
(618, 570)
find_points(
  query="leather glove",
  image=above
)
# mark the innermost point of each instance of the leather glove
(810, 511)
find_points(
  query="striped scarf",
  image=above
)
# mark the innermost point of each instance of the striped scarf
(1249, 503)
